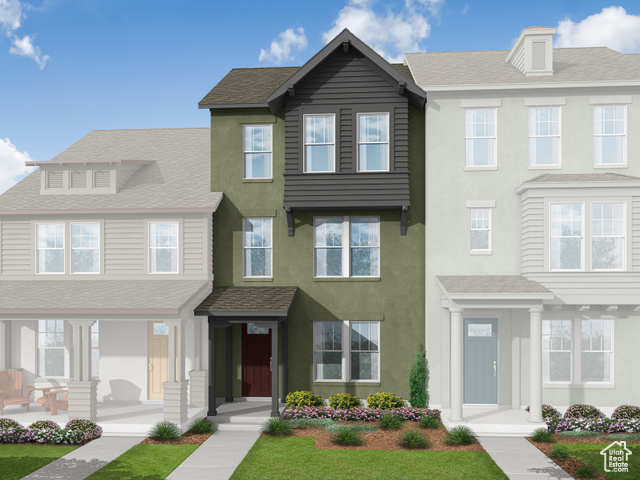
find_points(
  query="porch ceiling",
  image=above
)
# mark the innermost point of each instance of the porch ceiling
(248, 301)
(492, 287)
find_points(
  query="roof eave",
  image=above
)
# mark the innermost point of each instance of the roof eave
(241, 313)
(591, 184)
(529, 86)
(33, 163)
(220, 106)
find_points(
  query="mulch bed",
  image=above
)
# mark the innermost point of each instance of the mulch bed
(385, 439)
(188, 438)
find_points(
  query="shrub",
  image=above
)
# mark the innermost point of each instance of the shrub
(384, 401)
(344, 401)
(165, 431)
(347, 435)
(360, 428)
(44, 425)
(87, 428)
(17, 435)
(202, 425)
(429, 422)
(277, 427)
(585, 472)
(593, 424)
(548, 411)
(390, 422)
(459, 435)
(559, 451)
(580, 410)
(414, 439)
(629, 437)
(361, 414)
(62, 435)
(304, 399)
(579, 434)
(418, 380)
(310, 422)
(626, 412)
(542, 435)
(9, 423)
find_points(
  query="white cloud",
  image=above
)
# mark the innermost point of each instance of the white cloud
(280, 49)
(10, 14)
(24, 47)
(613, 27)
(10, 20)
(390, 34)
(12, 167)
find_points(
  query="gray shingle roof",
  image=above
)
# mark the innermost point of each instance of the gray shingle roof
(583, 177)
(490, 284)
(179, 177)
(248, 299)
(97, 296)
(590, 64)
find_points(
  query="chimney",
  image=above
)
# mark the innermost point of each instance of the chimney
(532, 53)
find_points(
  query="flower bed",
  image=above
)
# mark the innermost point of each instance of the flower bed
(361, 414)
(44, 431)
(602, 425)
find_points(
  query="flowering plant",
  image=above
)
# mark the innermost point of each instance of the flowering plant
(88, 429)
(580, 410)
(593, 424)
(626, 412)
(361, 414)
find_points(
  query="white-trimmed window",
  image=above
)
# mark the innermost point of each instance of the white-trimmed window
(319, 143)
(556, 350)
(50, 247)
(373, 142)
(85, 247)
(51, 349)
(481, 137)
(608, 238)
(480, 231)
(257, 245)
(596, 362)
(346, 246)
(163, 247)
(258, 150)
(610, 135)
(346, 350)
(566, 244)
(544, 136)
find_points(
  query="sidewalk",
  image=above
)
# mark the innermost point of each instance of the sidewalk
(520, 460)
(85, 460)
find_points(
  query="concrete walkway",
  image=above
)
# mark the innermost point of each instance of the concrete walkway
(520, 460)
(85, 460)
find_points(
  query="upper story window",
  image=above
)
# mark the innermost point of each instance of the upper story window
(258, 150)
(566, 241)
(481, 137)
(610, 135)
(85, 247)
(163, 247)
(544, 136)
(607, 236)
(480, 234)
(373, 142)
(319, 143)
(50, 248)
(257, 246)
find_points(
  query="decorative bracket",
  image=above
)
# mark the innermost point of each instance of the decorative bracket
(290, 220)
(403, 220)
(291, 90)
(401, 87)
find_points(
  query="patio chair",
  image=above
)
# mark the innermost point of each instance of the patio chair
(50, 400)
(11, 390)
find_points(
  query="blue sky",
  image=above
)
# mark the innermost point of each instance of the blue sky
(71, 66)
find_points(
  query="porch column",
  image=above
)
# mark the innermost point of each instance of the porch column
(228, 394)
(197, 377)
(457, 373)
(274, 371)
(5, 344)
(535, 360)
(83, 394)
(212, 369)
(174, 395)
(285, 362)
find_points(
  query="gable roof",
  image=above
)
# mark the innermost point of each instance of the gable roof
(248, 301)
(490, 284)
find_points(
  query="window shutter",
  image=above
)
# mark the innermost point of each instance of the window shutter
(102, 179)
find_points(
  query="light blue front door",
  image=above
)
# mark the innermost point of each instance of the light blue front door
(480, 360)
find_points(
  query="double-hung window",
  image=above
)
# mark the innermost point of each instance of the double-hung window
(610, 135)
(50, 247)
(258, 150)
(596, 362)
(319, 143)
(566, 244)
(607, 236)
(257, 246)
(556, 350)
(85, 247)
(163, 247)
(51, 349)
(373, 142)
(544, 136)
(480, 238)
(481, 137)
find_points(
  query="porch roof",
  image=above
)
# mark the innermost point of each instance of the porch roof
(248, 301)
(476, 287)
(97, 297)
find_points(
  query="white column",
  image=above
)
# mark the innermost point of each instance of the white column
(83, 394)
(77, 350)
(4, 344)
(535, 360)
(197, 344)
(175, 389)
(86, 351)
(457, 373)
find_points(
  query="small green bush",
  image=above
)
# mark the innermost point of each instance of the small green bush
(9, 423)
(629, 437)
(304, 399)
(429, 422)
(384, 401)
(310, 422)
(344, 401)
(165, 431)
(358, 427)
(586, 472)
(548, 411)
(414, 439)
(347, 435)
(45, 425)
(581, 410)
(559, 451)
(418, 381)
(578, 434)
(626, 412)
(459, 435)
(390, 422)
(542, 435)
(202, 425)
(277, 427)
(89, 429)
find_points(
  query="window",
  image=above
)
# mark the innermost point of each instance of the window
(85, 247)
(50, 247)
(258, 145)
(95, 349)
(51, 349)
(610, 138)
(481, 137)
(480, 240)
(356, 359)
(319, 143)
(163, 247)
(332, 257)
(257, 233)
(597, 351)
(566, 245)
(607, 236)
(556, 350)
(373, 142)
(544, 136)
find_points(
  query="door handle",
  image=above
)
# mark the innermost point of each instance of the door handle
(150, 365)
(271, 364)
(495, 368)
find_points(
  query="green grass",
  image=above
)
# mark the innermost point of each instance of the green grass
(145, 462)
(589, 454)
(17, 461)
(296, 458)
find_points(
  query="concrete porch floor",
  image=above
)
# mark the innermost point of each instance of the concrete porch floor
(492, 421)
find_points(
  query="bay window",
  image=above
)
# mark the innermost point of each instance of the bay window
(566, 241)
(319, 143)
(607, 236)
(373, 142)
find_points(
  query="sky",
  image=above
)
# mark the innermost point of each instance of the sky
(71, 66)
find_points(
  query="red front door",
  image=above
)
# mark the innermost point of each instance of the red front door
(256, 358)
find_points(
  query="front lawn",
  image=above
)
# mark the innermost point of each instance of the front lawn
(148, 462)
(296, 458)
(589, 454)
(17, 461)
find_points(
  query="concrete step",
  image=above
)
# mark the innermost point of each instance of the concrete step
(248, 419)
(498, 430)
(239, 427)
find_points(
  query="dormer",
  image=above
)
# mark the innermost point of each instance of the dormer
(532, 53)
